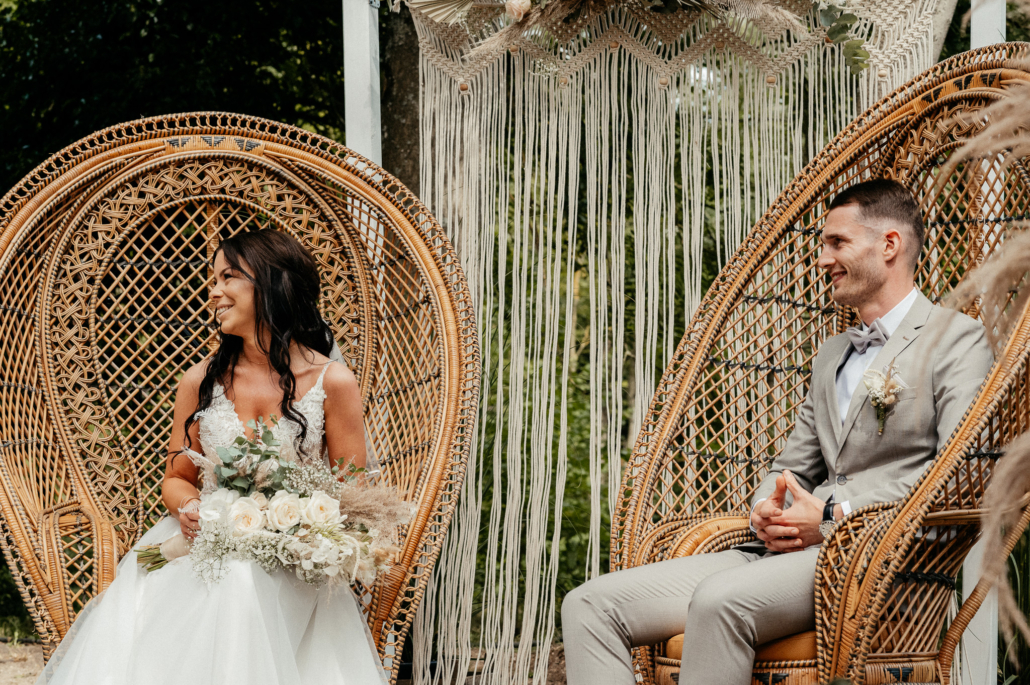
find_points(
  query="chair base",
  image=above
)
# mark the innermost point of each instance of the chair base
(805, 673)
(667, 672)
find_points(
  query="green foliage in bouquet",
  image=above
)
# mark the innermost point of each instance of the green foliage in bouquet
(262, 451)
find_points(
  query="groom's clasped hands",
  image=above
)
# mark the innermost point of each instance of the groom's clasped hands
(793, 528)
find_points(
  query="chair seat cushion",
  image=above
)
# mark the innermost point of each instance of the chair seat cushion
(799, 647)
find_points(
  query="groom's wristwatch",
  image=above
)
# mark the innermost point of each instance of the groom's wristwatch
(828, 523)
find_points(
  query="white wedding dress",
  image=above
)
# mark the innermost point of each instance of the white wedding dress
(251, 627)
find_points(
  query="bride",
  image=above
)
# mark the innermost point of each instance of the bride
(252, 627)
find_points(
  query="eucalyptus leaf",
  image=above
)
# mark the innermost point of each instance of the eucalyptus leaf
(241, 482)
(837, 33)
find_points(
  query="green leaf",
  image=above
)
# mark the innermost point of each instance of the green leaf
(846, 19)
(240, 440)
(227, 471)
(241, 482)
(837, 33)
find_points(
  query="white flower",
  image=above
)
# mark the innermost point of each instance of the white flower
(246, 516)
(320, 508)
(215, 506)
(284, 510)
(260, 500)
(517, 8)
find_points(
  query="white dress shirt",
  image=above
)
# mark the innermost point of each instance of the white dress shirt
(850, 373)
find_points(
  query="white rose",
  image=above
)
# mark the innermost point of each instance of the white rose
(260, 500)
(283, 510)
(321, 508)
(246, 516)
(215, 506)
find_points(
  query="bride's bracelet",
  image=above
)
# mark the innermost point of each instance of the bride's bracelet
(192, 505)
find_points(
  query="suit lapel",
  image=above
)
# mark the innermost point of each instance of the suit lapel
(830, 390)
(905, 334)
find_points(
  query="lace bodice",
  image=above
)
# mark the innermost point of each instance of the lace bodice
(220, 425)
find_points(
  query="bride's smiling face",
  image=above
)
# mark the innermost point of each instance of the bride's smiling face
(232, 299)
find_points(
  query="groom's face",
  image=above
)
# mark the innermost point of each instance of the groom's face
(852, 255)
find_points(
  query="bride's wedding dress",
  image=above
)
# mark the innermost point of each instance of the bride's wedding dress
(251, 627)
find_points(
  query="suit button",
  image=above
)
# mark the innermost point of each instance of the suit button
(841, 480)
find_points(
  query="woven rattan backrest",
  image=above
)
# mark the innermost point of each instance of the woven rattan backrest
(727, 401)
(106, 262)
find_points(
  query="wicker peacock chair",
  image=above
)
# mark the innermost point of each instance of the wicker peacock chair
(105, 263)
(726, 403)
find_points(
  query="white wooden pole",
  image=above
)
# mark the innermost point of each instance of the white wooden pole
(987, 23)
(364, 132)
(979, 646)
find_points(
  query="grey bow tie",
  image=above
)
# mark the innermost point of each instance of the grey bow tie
(876, 335)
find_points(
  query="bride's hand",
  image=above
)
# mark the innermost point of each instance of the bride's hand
(189, 519)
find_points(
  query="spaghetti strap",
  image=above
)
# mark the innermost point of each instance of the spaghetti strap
(325, 368)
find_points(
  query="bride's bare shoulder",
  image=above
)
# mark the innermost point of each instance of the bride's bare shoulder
(340, 381)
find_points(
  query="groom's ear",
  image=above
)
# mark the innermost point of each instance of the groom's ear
(893, 243)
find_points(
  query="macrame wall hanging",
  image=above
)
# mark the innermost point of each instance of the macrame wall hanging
(572, 160)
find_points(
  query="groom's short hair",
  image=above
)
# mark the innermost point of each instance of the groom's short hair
(885, 199)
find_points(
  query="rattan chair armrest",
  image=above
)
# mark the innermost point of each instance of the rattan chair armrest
(840, 571)
(74, 534)
(711, 535)
(685, 535)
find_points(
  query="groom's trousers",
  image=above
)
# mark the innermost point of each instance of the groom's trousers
(725, 604)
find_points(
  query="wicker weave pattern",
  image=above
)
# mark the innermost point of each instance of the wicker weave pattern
(726, 402)
(106, 254)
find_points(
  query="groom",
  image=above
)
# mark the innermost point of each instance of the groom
(834, 462)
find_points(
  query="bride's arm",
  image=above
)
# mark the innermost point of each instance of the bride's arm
(181, 474)
(344, 422)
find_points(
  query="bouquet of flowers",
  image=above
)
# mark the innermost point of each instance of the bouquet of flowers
(307, 518)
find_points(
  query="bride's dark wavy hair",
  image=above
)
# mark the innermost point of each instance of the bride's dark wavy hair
(286, 291)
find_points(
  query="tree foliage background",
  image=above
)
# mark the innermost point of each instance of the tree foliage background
(69, 68)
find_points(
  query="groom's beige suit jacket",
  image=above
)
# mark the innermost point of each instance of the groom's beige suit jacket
(941, 356)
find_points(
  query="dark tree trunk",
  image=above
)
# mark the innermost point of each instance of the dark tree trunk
(398, 50)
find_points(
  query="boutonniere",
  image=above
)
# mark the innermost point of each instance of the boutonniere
(883, 391)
